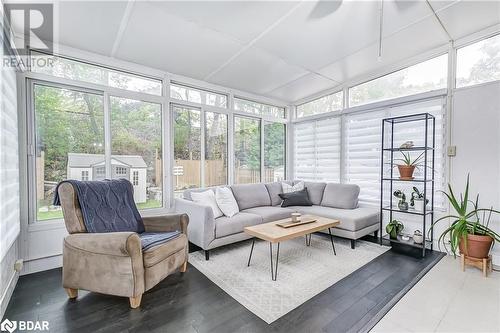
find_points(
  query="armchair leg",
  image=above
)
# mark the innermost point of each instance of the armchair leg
(72, 293)
(353, 244)
(207, 256)
(184, 267)
(135, 302)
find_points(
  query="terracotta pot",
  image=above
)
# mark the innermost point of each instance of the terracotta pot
(406, 171)
(478, 246)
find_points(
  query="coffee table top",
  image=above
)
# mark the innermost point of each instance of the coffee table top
(274, 233)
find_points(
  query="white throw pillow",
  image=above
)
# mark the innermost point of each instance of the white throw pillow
(289, 188)
(207, 198)
(226, 201)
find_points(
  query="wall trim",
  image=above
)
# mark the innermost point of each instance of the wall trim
(5, 299)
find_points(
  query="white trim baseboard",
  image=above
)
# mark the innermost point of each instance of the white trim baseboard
(42, 264)
(4, 301)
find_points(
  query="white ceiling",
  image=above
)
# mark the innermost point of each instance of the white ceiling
(283, 50)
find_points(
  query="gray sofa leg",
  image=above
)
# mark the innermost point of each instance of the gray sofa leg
(206, 255)
(353, 243)
(375, 233)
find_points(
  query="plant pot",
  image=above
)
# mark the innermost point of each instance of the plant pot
(418, 238)
(418, 204)
(406, 171)
(403, 205)
(478, 246)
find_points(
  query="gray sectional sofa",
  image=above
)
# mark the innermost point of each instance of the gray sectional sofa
(260, 203)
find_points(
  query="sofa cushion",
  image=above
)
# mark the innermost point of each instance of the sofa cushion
(270, 214)
(251, 195)
(160, 252)
(274, 189)
(350, 219)
(315, 191)
(296, 198)
(187, 193)
(225, 226)
(340, 196)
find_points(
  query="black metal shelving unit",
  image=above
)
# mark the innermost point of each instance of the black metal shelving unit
(426, 180)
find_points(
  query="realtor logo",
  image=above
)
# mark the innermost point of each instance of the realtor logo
(9, 326)
(24, 325)
(32, 25)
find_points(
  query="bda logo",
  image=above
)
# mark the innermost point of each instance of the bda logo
(8, 325)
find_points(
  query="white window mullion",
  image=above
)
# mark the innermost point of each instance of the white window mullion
(107, 135)
(202, 148)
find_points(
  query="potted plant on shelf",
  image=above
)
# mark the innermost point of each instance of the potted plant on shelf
(402, 204)
(394, 228)
(408, 166)
(417, 200)
(469, 233)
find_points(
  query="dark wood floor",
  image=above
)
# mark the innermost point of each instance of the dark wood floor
(190, 302)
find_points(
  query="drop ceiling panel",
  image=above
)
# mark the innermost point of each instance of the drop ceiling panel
(467, 17)
(302, 87)
(159, 40)
(396, 48)
(243, 20)
(91, 26)
(316, 34)
(256, 71)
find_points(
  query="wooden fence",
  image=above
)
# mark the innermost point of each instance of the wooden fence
(216, 174)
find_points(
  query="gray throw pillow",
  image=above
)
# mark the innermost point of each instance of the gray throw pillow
(297, 198)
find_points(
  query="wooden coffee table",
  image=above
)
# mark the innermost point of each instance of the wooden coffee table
(275, 234)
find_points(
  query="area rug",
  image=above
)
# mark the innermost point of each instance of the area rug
(303, 271)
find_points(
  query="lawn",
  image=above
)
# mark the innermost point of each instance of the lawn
(57, 214)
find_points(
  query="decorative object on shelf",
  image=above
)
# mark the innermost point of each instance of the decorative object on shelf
(405, 237)
(418, 238)
(407, 145)
(296, 217)
(409, 165)
(402, 204)
(469, 232)
(422, 157)
(417, 200)
(394, 228)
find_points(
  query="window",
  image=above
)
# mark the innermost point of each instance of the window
(85, 175)
(120, 171)
(136, 142)
(135, 178)
(361, 140)
(329, 103)
(317, 150)
(187, 148)
(425, 76)
(215, 149)
(69, 136)
(247, 150)
(82, 71)
(195, 95)
(100, 173)
(479, 62)
(274, 152)
(257, 108)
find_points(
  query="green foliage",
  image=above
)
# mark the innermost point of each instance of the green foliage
(465, 221)
(409, 161)
(394, 228)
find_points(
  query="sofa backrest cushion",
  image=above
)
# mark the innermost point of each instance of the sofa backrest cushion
(315, 191)
(340, 196)
(251, 195)
(274, 189)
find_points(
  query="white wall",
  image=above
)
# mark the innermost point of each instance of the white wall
(475, 130)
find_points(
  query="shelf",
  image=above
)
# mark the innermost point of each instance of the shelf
(409, 180)
(409, 242)
(409, 149)
(409, 211)
(413, 117)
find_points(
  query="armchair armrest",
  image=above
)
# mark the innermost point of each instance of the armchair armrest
(108, 263)
(110, 243)
(201, 228)
(165, 223)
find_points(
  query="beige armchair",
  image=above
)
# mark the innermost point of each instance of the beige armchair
(113, 263)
